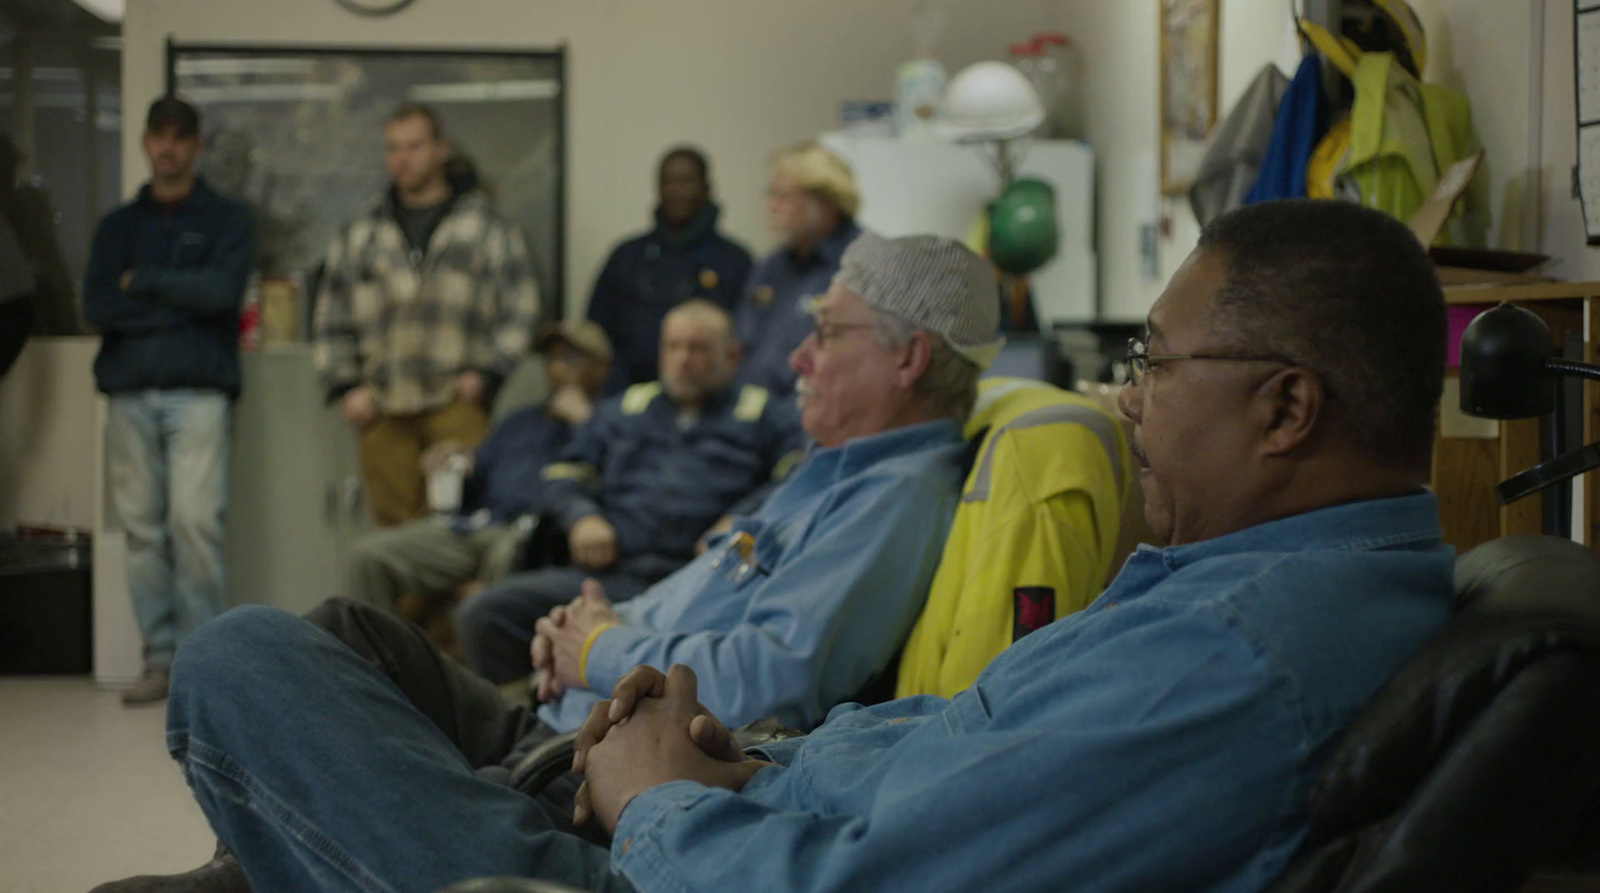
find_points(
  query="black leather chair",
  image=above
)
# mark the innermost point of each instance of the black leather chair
(1477, 768)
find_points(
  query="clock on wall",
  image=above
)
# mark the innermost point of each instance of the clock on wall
(374, 7)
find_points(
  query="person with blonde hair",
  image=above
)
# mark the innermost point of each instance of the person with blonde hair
(811, 207)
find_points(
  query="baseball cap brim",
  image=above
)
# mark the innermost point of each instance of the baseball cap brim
(587, 337)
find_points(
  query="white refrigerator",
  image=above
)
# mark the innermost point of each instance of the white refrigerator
(933, 187)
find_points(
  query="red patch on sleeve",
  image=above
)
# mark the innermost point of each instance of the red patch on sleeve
(1032, 607)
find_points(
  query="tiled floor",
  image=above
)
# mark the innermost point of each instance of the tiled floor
(87, 791)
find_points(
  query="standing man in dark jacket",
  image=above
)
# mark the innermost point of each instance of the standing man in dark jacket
(427, 302)
(166, 277)
(683, 257)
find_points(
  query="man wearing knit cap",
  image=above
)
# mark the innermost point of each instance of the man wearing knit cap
(792, 611)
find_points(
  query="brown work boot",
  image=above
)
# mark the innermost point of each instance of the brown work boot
(222, 874)
(150, 688)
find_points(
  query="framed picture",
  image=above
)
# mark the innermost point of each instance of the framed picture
(296, 132)
(1188, 87)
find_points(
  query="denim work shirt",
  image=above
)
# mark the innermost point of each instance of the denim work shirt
(771, 320)
(1165, 738)
(840, 561)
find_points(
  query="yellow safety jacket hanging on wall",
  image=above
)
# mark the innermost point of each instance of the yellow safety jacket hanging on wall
(1401, 135)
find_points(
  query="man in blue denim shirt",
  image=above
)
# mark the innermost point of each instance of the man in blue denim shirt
(1165, 738)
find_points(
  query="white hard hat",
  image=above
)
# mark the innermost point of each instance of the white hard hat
(990, 101)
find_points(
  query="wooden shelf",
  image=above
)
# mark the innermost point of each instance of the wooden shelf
(1494, 293)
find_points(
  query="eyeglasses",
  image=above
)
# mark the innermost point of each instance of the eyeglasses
(827, 331)
(1141, 360)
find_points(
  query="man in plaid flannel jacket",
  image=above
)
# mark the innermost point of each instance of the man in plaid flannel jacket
(426, 303)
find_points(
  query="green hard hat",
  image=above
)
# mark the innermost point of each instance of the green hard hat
(1022, 227)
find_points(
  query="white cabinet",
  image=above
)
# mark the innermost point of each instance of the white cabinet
(295, 504)
(294, 497)
(934, 187)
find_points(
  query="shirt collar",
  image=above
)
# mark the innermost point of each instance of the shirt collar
(1355, 526)
(862, 452)
(197, 194)
(699, 227)
(837, 241)
(712, 405)
(831, 249)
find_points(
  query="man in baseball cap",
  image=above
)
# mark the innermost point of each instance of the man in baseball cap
(479, 495)
(166, 276)
(172, 113)
(585, 337)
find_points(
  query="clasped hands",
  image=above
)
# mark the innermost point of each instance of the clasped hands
(652, 730)
(559, 637)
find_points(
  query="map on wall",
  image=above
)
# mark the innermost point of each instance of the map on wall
(296, 133)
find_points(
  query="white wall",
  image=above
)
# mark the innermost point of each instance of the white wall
(740, 77)
(1479, 47)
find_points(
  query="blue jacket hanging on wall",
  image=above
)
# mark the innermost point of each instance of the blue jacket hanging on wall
(1301, 121)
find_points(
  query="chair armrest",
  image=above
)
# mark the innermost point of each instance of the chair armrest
(544, 764)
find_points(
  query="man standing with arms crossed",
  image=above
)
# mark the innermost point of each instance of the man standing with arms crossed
(427, 301)
(166, 277)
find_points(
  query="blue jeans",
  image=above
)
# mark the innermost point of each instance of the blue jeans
(318, 774)
(167, 458)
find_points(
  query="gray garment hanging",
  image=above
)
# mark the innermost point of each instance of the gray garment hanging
(1233, 159)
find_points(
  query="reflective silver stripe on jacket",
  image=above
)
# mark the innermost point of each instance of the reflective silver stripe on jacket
(1103, 427)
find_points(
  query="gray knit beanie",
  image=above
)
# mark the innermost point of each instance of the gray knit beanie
(932, 282)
